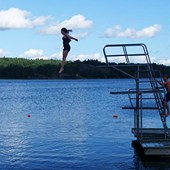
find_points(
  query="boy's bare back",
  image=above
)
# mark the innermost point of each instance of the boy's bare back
(166, 83)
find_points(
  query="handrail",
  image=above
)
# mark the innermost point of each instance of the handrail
(126, 54)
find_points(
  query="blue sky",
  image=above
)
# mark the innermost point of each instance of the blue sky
(31, 28)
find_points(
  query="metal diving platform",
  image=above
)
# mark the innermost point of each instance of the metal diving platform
(146, 95)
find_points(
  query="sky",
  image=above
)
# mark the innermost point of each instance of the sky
(31, 28)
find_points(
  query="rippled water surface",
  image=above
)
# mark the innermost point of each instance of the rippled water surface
(67, 124)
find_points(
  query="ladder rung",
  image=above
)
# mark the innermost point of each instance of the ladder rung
(123, 55)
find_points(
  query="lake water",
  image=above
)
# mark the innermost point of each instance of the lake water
(68, 124)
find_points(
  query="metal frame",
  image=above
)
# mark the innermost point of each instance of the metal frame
(139, 91)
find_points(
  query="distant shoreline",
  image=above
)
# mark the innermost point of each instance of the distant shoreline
(19, 68)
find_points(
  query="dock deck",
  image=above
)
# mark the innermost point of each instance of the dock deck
(152, 143)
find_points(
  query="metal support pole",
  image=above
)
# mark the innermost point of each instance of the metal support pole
(137, 103)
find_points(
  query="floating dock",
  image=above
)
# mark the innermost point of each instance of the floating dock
(146, 95)
(154, 144)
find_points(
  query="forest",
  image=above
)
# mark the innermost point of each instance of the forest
(20, 68)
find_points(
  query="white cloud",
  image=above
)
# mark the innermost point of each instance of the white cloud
(3, 52)
(82, 35)
(82, 57)
(164, 62)
(40, 54)
(56, 56)
(15, 18)
(33, 54)
(75, 22)
(117, 31)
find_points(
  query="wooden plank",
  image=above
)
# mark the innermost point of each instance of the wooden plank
(152, 149)
(150, 130)
(157, 148)
(159, 144)
(157, 151)
(151, 134)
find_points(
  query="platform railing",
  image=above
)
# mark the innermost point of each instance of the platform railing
(125, 52)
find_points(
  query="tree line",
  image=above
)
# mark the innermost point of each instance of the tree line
(20, 68)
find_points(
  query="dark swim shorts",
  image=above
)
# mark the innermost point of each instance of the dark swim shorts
(168, 97)
(66, 44)
(66, 47)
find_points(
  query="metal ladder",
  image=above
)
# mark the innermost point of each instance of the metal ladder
(159, 94)
(124, 52)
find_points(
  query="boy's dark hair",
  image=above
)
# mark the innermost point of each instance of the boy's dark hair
(65, 30)
(166, 75)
